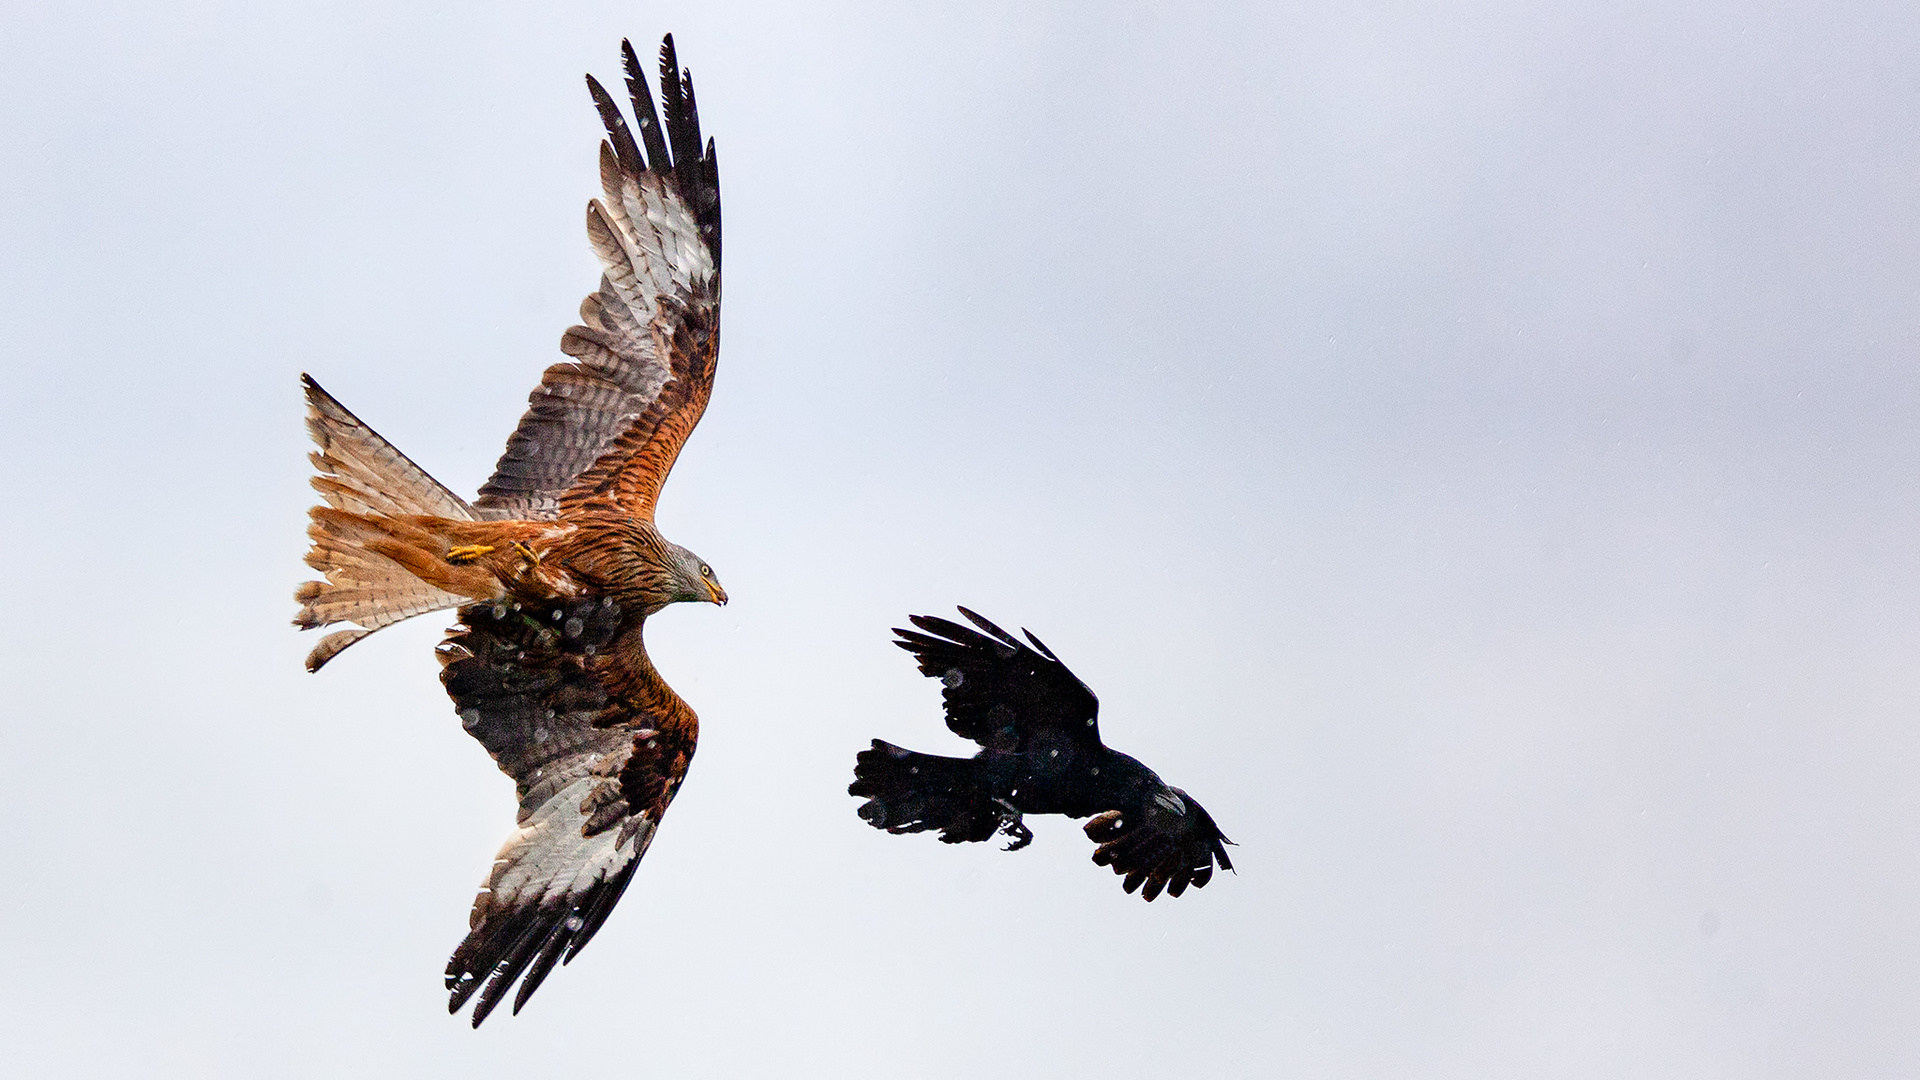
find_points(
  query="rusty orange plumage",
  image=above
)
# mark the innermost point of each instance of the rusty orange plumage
(557, 564)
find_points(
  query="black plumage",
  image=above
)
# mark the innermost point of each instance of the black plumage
(1038, 729)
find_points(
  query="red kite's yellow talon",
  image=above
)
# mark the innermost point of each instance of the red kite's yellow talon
(468, 552)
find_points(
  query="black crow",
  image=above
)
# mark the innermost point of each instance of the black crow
(1040, 754)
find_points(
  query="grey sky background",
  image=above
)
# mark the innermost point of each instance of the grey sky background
(1472, 451)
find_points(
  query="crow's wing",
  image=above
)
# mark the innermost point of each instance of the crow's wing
(1164, 841)
(999, 691)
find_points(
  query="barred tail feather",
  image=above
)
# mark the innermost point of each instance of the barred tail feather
(372, 560)
(369, 581)
(364, 473)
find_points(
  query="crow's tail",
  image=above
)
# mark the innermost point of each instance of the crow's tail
(912, 792)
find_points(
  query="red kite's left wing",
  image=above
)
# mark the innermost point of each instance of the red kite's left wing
(608, 426)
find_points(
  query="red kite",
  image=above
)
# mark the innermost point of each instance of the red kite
(557, 565)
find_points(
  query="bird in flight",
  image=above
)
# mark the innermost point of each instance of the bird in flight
(557, 564)
(1040, 753)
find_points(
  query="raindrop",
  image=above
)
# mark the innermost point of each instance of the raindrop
(1095, 770)
(573, 626)
(557, 613)
(539, 734)
(1053, 753)
(913, 770)
(575, 922)
(469, 718)
(952, 678)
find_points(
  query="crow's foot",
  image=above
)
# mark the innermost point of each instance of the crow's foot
(1012, 826)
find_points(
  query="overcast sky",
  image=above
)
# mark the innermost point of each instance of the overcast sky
(1474, 452)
